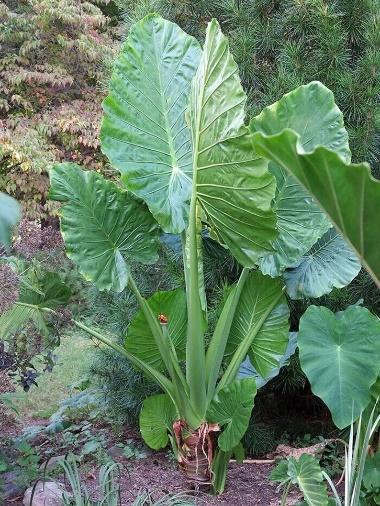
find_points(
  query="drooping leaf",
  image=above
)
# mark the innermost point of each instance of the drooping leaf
(103, 227)
(330, 263)
(300, 224)
(10, 214)
(144, 133)
(280, 472)
(140, 340)
(340, 355)
(231, 409)
(156, 420)
(234, 187)
(50, 293)
(261, 315)
(247, 370)
(311, 112)
(307, 474)
(347, 193)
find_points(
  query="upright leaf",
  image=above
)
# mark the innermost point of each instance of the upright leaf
(261, 318)
(144, 133)
(340, 355)
(311, 112)
(347, 193)
(231, 409)
(156, 420)
(140, 340)
(330, 263)
(307, 474)
(103, 227)
(233, 185)
(10, 215)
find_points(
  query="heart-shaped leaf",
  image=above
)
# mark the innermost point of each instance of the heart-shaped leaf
(340, 355)
(310, 111)
(156, 420)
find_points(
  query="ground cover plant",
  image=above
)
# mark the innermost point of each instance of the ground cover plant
(269, 192)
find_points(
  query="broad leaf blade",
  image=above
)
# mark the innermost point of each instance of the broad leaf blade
(340, 355)
(311, 112)
(140, 340)
(347, 193)
(247, 370)
(156, 420)
(233, 184)
(51, 292)
(267, 326)
(10, 214)
(231, 409)
(307, 474)
(144, 133)
(330, 263)
(102, 226)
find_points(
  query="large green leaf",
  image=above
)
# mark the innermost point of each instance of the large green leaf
(233, 185)
(156, 420)
(103, 227)
(371, 476)
(140, 340)
(231, 409)
(262, 317)
(307, 474)
(340, 355)
(10, 214)
(311, 112)
(50, 293)
(348, 193)
(330, 263)
(144, 133)
(246, 370)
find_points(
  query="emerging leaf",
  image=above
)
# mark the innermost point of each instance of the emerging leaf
(103, 227)
(140, 340)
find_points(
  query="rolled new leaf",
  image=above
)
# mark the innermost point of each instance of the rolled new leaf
(103, 226)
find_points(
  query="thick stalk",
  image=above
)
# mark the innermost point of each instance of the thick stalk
(164, 346)
(242, 350)
(285, 494)
(217, 346)
(195, 352)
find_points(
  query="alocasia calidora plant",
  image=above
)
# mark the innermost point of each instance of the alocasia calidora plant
(174, 127)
